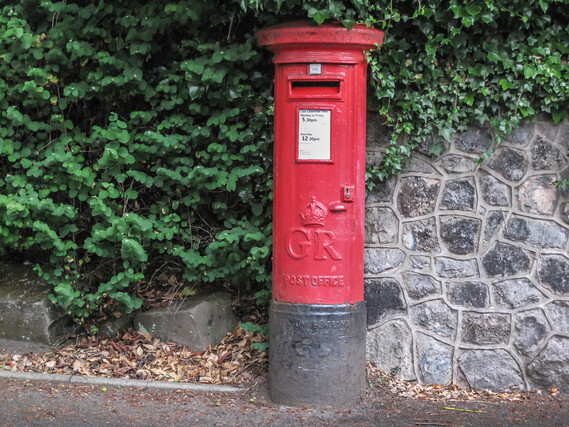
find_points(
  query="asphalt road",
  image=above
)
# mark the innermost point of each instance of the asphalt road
(38, 403)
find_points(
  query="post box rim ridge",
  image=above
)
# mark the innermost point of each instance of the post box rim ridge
(299, 33)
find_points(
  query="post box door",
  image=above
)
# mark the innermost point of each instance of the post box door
(318, 245)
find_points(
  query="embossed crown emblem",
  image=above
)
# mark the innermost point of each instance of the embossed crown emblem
(314, 214)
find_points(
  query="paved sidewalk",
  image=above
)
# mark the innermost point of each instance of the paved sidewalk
(58, 400)
(38, 403)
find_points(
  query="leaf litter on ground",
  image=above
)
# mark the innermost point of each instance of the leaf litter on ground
(233, 361)
(450, 392)
(135, 355)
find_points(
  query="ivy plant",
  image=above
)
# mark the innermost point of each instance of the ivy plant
(133, 137)
(137, 137)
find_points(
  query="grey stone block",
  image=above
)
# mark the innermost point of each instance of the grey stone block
(434, 360)
(383, 297)
(377, 135)
(548, 129)
(420, 285)
(469, 294)
(421, 235)
(112, 326)
(536, 233)
(420, 262)
(493, 222)
(475, 140)
(564, 138)
(559, 314)
(553, 272)
(377, 261)
(382, 192)
(564, 176)
(196, 323)
(522, 135)
(418, 196)
(538, 195)
(495, 192)
(510, 163)
(550, 368)
(504, 259)
(381, 226)
(455, 268)
(530, 330)
(485, 328)
(565, 212)
(454, 163)
(417, 165)
(459, 194)
(490, 369)
(545, 156)
(460, 234)
(391, 346)
(433, 146)
(25, 310)
(374, 158)
(516, 293)
(435, 316)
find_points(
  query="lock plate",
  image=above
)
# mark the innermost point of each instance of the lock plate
(348, 193)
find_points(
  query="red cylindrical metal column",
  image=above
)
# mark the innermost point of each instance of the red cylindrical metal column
(318, 313)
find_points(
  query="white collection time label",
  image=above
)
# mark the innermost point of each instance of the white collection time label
(314, 134)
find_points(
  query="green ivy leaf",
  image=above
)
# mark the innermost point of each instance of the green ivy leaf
(558, 115)
(473, 10)
(506, 84)
(131, 250)
(529, 71)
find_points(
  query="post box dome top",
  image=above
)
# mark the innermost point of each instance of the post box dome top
(302, 35)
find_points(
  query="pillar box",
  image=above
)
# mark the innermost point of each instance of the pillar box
(317, 315)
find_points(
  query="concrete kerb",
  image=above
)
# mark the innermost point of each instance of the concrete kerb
(117, 382)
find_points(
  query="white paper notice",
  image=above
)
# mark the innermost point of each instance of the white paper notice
(314, 134)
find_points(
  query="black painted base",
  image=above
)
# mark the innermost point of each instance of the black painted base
(317, 354)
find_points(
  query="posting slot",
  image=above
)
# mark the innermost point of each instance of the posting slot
(315, 88)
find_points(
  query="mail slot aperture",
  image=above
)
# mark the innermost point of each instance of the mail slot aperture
(315, 89)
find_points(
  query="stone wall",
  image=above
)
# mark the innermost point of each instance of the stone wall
(466, 264)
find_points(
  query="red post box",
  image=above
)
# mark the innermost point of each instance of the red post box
(317, 316)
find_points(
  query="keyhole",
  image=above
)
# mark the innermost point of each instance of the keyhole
(347, 191)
